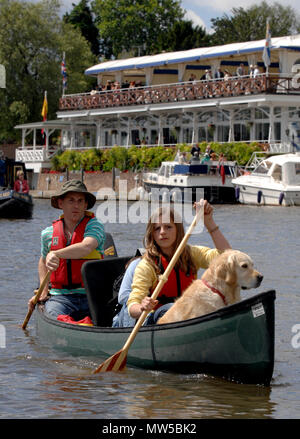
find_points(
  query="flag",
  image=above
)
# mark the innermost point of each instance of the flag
(44, 111)
(45, 107)
(267, 49)
(64, 73)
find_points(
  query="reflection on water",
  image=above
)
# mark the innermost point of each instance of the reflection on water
(42, 383)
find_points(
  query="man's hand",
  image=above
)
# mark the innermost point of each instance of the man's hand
(52, 261)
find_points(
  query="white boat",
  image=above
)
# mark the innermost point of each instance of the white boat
(187, 182)
(275, 181)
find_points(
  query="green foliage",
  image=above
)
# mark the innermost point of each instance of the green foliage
(250, 24)
(136, 159)
(92, 160)
(32, 41)
(183, 35)
(126, 25)
(81, 17)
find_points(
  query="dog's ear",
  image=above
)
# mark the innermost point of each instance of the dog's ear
(231, 276)
(226, 270)
(221, 271)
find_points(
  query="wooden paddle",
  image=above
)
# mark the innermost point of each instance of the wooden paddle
(37, 296)
(118, 361)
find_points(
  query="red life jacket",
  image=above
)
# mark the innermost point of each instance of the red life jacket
(68, 274)
(177, 283)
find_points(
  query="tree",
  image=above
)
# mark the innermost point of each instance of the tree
(32, 40)
(134, 24)
(250, 24)
(184, 36)
(81, 17)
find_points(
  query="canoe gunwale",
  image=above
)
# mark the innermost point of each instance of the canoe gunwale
(223, 312)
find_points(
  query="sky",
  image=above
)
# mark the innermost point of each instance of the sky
(201, 11)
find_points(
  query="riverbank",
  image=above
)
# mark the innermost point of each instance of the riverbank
(104, 185)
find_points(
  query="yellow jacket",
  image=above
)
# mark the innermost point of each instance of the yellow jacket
(145, 277)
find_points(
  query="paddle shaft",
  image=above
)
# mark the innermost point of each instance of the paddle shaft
(163, 280)
(37, 296)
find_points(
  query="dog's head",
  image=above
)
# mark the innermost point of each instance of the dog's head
(236, 268)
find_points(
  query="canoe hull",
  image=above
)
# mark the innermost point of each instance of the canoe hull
(236, 342)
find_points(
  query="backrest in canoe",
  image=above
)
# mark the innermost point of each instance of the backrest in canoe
(98, 277)
(109, 246)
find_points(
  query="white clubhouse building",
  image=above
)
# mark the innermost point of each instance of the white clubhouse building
(176, 97)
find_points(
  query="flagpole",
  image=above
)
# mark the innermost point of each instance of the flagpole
(63, 71)
(267, 48)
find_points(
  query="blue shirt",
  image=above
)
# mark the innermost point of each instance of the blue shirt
(125, 288)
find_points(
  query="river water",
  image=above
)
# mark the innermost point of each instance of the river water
(37, 382)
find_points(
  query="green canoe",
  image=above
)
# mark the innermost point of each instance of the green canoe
(236, 342)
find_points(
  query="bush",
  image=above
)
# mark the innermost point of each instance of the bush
(138, 158)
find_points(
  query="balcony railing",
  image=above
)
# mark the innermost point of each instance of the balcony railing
(218, 88)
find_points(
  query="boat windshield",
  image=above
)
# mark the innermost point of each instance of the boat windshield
(263, 167)
(277, 173)
(161, 171)
(297, 173)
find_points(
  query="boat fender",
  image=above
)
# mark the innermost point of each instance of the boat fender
(259, 195)
(237, 193)
(281, 197)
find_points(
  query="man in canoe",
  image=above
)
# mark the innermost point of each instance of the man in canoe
(72, 239)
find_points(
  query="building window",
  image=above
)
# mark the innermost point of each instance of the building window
(222, 133)
(187, 135)
(277, 131)
(262, 131)
(241, 133)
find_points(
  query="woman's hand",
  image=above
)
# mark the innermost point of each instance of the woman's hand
(218, 238)
(208, 212)
(148, 304)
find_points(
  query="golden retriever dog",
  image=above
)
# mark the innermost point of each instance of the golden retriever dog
(219, 286)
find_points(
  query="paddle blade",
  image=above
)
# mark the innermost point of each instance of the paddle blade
(114, 363)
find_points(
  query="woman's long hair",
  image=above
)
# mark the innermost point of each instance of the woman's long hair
(154, 252)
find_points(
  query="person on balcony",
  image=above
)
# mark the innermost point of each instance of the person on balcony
(256, 71)
(219, 74)
(240, 71)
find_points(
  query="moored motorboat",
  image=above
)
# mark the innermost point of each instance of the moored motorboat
(275, 181)
(188, 182)
(236, 342)
(15, 205)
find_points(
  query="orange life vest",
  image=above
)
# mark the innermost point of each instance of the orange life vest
(68, 274)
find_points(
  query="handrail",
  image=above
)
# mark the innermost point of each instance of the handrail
(183, 91)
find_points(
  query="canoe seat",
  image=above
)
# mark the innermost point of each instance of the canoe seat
(98, 277)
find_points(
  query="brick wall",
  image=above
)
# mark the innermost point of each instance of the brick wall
(93, 181)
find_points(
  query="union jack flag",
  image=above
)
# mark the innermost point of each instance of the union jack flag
(267, 49)
(64, 73)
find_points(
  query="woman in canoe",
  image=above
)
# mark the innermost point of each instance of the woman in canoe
(163, 235)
